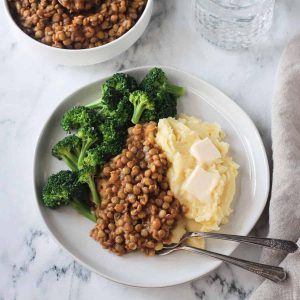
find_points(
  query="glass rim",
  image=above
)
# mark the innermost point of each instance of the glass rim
(239, 7)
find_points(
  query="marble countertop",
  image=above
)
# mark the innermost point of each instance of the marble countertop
(32, 266)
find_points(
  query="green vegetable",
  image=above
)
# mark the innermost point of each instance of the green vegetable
(114, 103)
(88, 136)
(78, 116)
(163, 94)
(114, 138)
(112, 143)
(63, 189)
(96, 157)
(156, 81)
(113, 89)
(109, 100)
(86, 175)
(68, 150)
(121, 83)
(141, 102)
(120, 114)
(165, 106)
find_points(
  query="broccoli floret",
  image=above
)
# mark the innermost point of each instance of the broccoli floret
(68, 150)
(88, 136)
(114, 137)
(123, 83)
(163, 94)
(78, 116)
(114, 102)
(109, 100)
(96, 157)
(156, 81)
(113, 148)
(141, 102)
(165, 106)
(114, 89)
(86, 175)
(120, 114)
(63, 189)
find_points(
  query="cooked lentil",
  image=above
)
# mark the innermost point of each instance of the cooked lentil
(76, 5)
(141, 211)
(50, 23)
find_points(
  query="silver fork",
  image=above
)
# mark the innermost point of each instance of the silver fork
(276, 274)
(274, 244)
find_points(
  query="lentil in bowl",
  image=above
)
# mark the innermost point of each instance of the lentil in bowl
(49, 22)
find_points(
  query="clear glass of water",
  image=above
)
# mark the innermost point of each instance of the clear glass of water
(232, 24)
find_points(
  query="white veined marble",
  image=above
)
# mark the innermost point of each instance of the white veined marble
(32, 266)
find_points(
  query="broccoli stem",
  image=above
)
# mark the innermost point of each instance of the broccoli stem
(70, 163)
(83, 151)
(175, 90)
(94, 192)
(94, 104)
(137, 112)
(83, 210)
(71, 157)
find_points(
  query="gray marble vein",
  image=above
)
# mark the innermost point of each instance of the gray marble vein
(32, 266)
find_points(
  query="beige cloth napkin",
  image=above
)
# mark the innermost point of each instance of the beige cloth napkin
(284, 209)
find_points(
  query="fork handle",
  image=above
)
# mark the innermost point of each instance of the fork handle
(274, 244)
(276, 274)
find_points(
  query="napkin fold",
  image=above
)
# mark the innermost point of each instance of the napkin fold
(284, 211)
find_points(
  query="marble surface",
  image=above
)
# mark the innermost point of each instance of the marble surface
(32, 266)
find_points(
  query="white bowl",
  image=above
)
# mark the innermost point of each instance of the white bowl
(83, 57)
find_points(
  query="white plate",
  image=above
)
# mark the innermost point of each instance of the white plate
(203, 101)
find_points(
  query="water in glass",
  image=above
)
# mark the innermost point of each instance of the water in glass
(232, 24)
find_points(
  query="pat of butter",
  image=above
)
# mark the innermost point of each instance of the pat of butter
(201, 183)
(205, 151)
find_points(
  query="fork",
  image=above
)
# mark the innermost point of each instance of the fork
(274, 244)
(276, 274)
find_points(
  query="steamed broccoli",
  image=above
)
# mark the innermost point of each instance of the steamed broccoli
(121, 82)
(163, 94)
(113, 89)
(96, 157)
(68, 150)
(78, 116)
(86, 175)
(109, 99)
(156, 81)
(88, 136)
(63, 189)
(114, 137)
(113, 141)
(120, 114)
(165, 106)
(114, 102)
(141, 102)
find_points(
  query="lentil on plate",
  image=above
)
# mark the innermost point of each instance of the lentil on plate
(50, 23)
(138, 209)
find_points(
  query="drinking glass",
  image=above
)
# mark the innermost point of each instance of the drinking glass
(232, 24)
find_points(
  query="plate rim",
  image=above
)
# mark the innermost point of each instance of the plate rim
(101, 78)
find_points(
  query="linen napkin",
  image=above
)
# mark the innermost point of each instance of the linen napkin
(284, 211)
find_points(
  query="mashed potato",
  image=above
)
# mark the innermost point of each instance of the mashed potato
(176, 136)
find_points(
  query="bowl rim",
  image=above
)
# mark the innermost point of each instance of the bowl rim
(38, 43)
(183, 72)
